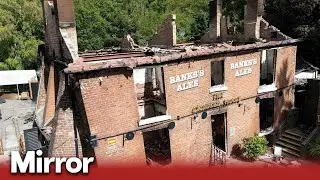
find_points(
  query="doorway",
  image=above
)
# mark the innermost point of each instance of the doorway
(299, 100)
(266, 113)
(218, 124)
(157, 147)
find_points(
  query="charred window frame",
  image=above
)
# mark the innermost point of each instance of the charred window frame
(268, 66)
(217, 73)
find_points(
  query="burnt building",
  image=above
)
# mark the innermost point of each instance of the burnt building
(195, 100)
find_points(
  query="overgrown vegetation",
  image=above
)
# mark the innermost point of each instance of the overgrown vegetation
(297, 19)
(234, 10)
(21, 31)
(254, 147)
(314, 148)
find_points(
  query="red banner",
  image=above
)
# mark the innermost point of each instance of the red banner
(177, 173)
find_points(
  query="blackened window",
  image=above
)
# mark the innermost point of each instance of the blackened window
(268, 66)
(217, 73)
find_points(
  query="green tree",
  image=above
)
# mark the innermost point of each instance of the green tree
(234, 10)
(314, 148)
(298, 19)
(102, 23)
(20, 33)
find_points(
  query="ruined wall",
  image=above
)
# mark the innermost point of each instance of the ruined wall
(48, 83)
(285, 71)
(52, 49)
(111, 109)
(50, 96)
(62, 142)
(55, 49)
(166, 33)
(52, 34)
(270, 33)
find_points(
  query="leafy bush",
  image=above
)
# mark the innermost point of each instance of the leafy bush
(314, 148)
(254, 147)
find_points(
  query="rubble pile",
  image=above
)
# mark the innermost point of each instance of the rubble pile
(17, 116)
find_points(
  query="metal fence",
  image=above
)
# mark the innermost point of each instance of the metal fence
(219, 157)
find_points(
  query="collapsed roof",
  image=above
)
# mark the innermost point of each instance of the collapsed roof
(163, 47)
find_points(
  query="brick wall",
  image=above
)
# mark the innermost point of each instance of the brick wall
(56, 45)
(254, 11)
(52, 37)
(50, 96)
(62, 143)
(266, 31)
(166, 33)
(285, 71)
(111, 109)
(193, 144)
(65, 11)
(80, 117)
(244, 119)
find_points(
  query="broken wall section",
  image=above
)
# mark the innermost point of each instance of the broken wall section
(255, 28)
(60, 49)
(150, 92)
(166, 35)
(64, 135)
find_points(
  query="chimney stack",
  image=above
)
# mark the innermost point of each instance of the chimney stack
(215, 19)
(253, 14)
(65, 10)
(217, 23)
(67, 26)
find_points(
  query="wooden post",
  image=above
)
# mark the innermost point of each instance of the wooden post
(21, 145)
(1, 147)
(18, 91)
(30, 90)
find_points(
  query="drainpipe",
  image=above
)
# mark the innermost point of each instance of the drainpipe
(76, 138)
(73, 98)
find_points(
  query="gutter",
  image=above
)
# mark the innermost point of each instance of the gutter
(81, 67)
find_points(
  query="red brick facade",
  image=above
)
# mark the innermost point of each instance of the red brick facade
(103, 102)
(285, 70)
(110, 104)
(111, 107)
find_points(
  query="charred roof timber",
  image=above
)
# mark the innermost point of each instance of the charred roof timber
(80, 67)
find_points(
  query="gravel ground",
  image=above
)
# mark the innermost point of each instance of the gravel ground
(17, 115)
